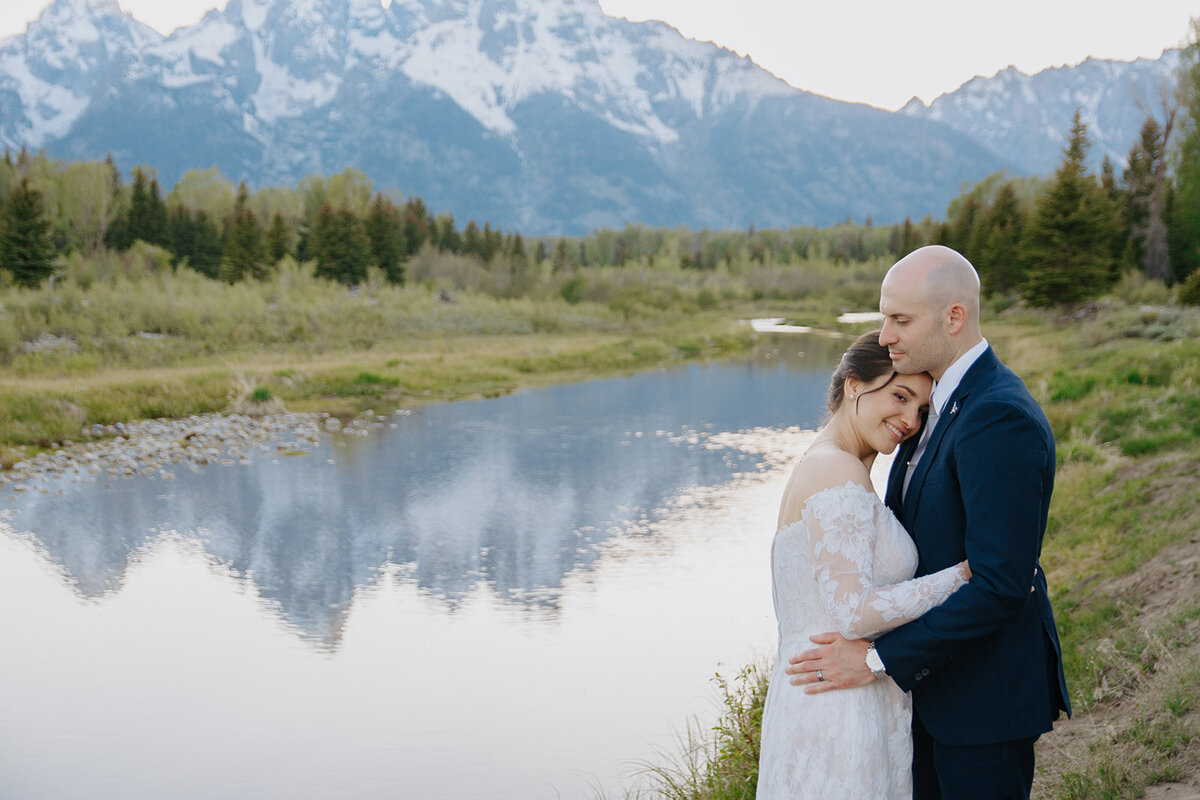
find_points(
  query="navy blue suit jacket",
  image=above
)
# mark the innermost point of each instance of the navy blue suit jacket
(985, 666)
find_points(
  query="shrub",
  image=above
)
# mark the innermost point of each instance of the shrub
(572, 290)
(1189, 290)
(1135, 288)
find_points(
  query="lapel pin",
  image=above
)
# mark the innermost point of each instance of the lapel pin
(954, 408)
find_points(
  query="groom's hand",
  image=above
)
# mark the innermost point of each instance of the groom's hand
(841, 662)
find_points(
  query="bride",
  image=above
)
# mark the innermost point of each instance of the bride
(842, 562)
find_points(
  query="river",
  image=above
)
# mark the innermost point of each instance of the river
(519, 597)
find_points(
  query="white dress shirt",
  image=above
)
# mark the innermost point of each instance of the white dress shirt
(942, 390)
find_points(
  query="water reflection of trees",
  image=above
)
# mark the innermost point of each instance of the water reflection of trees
(512, 493)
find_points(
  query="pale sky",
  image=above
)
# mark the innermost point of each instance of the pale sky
(880, 52)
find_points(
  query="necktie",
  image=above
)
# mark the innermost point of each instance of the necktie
(926, 432)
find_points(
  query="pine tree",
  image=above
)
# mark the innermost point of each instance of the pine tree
(418, 227)
(515, 248)
(998, 255)
(893, 245)
(1066, 246)
(962, 226)
(147, 216)
(279, 238)
(25, 249)
(244, 254)
(196, 239)
(448, 238)
(562, 256)
(1119, 236)
(209, 246)
(910, 238)
(319, 238)
(492, 242)
(472, 239)
(385, 232)
(181, 235)
(156, 215)
(340, 245)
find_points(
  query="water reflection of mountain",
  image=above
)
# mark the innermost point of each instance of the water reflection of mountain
(514, 492)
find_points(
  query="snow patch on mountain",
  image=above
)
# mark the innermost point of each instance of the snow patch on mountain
(281, 94)
(50, 110)
(205, 42)
(446, 56)
(253, 13)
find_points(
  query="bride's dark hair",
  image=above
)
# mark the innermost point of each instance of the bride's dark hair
(866, 360)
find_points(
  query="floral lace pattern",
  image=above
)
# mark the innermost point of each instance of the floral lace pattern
(846, 566)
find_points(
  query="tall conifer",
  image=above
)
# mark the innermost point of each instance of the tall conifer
(244, 254)
(147, 217)
(279, 239)
(385, 231)
(340, 245)
(25, 248)
(1066, 247)
(998, 254)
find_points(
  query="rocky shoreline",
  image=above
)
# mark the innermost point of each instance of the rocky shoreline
(159, 447)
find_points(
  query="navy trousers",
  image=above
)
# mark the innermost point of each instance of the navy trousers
(1001, 771)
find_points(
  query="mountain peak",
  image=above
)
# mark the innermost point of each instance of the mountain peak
(84, 21)
(1025, 118)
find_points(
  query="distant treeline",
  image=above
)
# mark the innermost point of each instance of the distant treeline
(226, 231)
(216, 228)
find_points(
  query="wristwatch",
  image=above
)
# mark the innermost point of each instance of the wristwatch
(875, 663)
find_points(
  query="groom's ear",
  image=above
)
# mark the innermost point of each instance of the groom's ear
(956, 318)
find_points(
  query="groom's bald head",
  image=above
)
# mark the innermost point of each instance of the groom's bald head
(939, 277)
(930, 303)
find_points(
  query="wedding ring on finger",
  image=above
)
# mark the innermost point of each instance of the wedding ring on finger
(820, 677)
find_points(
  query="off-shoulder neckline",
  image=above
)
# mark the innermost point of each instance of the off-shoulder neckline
(848, 485)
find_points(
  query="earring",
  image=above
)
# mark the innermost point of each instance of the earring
(851, 395)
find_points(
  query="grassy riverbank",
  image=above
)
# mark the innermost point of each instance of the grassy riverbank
(1119, 384)
(124, 336)
(130, 338)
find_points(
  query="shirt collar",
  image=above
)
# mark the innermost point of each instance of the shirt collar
(953, 376)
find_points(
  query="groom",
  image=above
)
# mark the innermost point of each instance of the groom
(984, 668)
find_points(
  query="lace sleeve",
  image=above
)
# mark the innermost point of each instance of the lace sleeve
(842, 526)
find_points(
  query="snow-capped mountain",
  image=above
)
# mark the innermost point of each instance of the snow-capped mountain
(50, 75)
(1024, 119)
(547, 116)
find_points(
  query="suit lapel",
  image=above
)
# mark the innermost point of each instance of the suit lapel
(984, 366)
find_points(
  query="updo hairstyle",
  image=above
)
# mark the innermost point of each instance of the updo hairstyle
(865, 360)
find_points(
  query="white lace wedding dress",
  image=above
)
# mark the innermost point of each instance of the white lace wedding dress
(846, 566)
